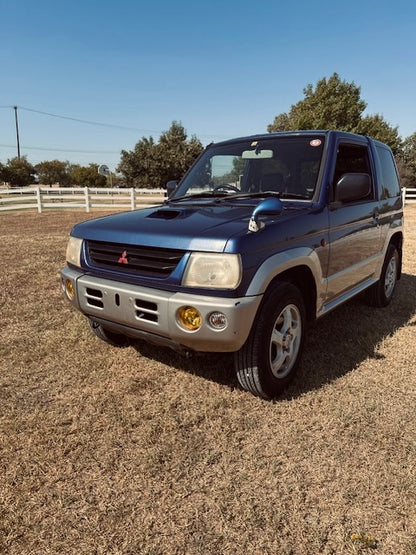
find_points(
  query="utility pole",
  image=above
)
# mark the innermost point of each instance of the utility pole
(17, 131)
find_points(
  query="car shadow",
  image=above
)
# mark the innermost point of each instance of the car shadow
(334, 345)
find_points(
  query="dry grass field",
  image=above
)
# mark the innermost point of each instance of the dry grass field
(140, 451)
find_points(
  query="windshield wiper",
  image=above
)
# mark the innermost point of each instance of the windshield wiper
(232, 196)
(294, 195)
(207, 194)
(262, 194)
(258, 194)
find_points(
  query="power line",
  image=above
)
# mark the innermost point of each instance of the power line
(64, 149)
(88, 122)
(83, 121)
(79, 120)
(101, 124)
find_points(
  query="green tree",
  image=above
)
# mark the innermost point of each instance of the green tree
(139, 166)
(375, 126)
(409, 152)
(407, 162)
(18, 172)
(152, 164)
(86, 176)
(175, 153)
(332, 104)
(407, 177)
(336, 104)
(282, 122)
(53, 171)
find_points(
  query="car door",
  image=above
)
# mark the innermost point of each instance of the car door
(354, 233)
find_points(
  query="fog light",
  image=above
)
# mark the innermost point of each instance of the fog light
(218, 320)
(190, 318)
(69, 288)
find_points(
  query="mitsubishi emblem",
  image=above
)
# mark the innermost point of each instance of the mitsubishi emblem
(123, 258)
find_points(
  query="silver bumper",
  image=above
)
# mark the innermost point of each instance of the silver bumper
(151, 314)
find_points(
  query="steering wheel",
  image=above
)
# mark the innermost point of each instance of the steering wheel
(226, 187)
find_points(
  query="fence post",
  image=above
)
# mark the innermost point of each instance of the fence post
(133, 199)
(39, 199)
(404, 195)
(87, 199)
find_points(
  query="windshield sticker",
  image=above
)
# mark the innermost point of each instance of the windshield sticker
(316, 142)
(254, 143)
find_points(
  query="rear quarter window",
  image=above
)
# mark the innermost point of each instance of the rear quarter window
(389, 181)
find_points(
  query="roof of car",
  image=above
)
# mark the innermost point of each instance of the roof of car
(307, 132)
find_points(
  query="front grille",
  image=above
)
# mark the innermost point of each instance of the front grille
(146, 261)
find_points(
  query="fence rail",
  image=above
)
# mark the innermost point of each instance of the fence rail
(84, 198)
(409, 195)
(89, 198)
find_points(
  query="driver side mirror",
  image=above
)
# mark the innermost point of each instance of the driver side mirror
(352, 186)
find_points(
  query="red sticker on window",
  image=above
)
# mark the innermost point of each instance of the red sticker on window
(316, 142)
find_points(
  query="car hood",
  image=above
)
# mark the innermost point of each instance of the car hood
(202, 227)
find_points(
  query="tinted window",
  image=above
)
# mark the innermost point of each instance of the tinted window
(282, 164)
(352, 159)
(390, 186)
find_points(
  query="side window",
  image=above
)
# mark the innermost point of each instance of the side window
(390, 186)
(352, 159)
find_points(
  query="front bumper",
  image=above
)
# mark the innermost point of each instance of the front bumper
(151, 314)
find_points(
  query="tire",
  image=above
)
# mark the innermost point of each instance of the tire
(381, 293)
(267, 361)
(110, 337)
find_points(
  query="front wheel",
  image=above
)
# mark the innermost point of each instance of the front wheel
(268, 359)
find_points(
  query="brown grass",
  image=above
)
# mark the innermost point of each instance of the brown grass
(137, 450)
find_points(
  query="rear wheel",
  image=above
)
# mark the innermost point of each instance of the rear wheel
(381, 293)
(110, 337)
(268, 360)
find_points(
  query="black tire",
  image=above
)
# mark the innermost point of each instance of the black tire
(110, 337)
(381, 293)
(268, 360)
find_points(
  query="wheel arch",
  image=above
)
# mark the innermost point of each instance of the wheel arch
(397, 241)
(302, 278)
(301, 266)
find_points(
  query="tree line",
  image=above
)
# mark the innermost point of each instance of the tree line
(332, 103)
(19, 172)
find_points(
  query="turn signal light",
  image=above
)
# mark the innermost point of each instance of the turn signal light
(69, 288)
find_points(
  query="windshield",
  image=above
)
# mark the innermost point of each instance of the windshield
(288, 166)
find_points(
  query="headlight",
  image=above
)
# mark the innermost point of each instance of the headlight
(73, 251)
(216, 270)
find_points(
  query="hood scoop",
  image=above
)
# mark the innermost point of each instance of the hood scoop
(165, 214)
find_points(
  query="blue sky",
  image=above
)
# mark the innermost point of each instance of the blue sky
(222, 68)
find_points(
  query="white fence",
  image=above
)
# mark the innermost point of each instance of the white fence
(88, 198)
(409, 195)
(84, 198)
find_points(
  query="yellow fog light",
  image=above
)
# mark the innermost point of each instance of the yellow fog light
(69, 288)
(189, 317)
